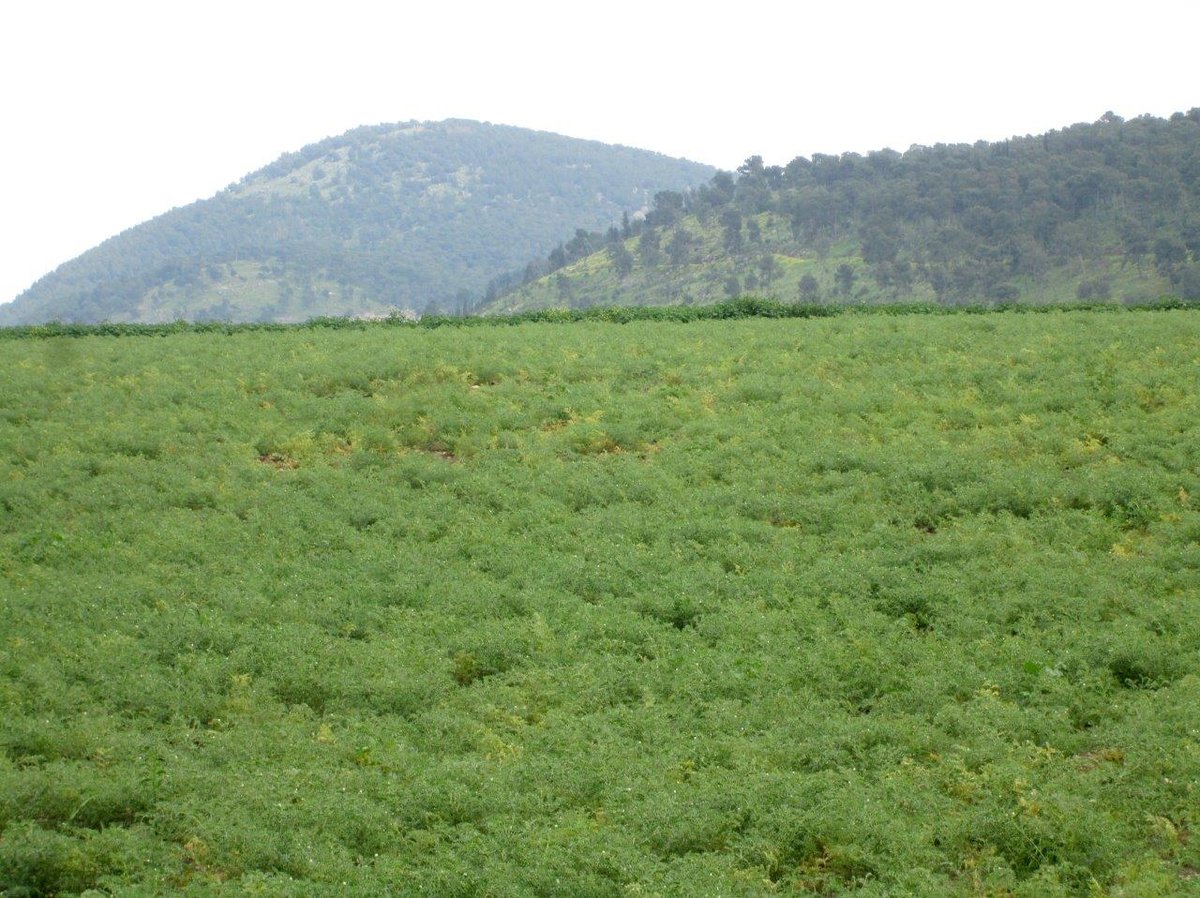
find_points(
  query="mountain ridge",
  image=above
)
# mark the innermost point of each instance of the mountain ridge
(410, 215)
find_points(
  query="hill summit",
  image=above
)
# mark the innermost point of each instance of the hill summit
(406, 216)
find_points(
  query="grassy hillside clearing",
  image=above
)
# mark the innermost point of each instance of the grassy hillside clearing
(776, 266)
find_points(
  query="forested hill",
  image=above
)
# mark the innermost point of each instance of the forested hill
(400, 216)
(1103, 211)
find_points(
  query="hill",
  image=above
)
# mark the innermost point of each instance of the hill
(872, 604)
(1102, 211)
(401, 216)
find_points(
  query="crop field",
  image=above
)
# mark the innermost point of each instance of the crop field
(866, 605)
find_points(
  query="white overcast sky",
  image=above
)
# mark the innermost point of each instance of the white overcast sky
(113, 112)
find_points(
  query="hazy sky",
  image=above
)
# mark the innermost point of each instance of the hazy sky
(115, 112)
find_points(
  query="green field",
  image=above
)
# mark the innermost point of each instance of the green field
(873, 605)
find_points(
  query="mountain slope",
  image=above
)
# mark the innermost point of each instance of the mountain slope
(386, 217)
(1106, 211)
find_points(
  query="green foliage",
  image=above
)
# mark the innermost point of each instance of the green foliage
(1100, 212)
(379, 219)
(733, 309)
(744, 599)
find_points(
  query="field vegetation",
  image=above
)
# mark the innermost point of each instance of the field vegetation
(861, 605)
